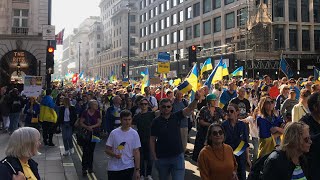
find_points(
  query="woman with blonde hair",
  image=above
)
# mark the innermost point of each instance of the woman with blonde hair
(301, 109)
(269, 125)
(289, 163)
(23, 144)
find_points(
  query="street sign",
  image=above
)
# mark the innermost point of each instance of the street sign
(48, 32)
(163, 67)
(163, 57)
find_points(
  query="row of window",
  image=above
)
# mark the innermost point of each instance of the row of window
(210, 26)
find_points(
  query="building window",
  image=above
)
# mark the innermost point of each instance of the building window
(196, 10)
(167, 5)
(156, 11)
(180, 16)
(278, 8)
(217, 24)
(20, 17)
(98, 36)
(98, 45)
(162, 41)
(167, 22)
(168, 39)
(188, 33)
(229, 20)
(305, 40)
(278, 37)
(132, 41)
(161, 8)
(293, 38)
(293, 10)
(206, 6)
(196, 31)
(207, 45)
(317, 40)
(132, 18)
(228, 1)
(132, 29)
(156, 27)
(181, 37)
(305, 10)
(151, 26)
(174, 3)
(174, 19)
(188, 13)
(242, 16)
(162, 24)
(207, 27)
(316, 10)
(216, 4)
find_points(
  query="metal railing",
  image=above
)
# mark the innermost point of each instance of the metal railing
(20, 30)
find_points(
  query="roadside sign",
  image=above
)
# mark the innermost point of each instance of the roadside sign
(48, 32)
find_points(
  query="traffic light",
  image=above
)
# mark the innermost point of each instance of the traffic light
(192, 55)
(123, 68)
(50, 60)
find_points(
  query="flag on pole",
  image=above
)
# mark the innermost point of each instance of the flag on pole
(316, 72)
(285, 68)
(207, 65)
(193, 78)
(59, 37)
(112, 77)
(238, 72)
(225, 71)
(216, 74)
(185, 87)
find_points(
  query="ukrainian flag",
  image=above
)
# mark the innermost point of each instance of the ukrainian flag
(316, 72)
(193, 78)
(185, 87)
(145, 81)
(216, 74)
(241, 148)
(238, 72)
(206, 66)
(95, 139)
(112, 77)
(225, 71)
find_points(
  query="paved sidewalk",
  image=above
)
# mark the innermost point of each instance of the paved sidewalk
(52, 165)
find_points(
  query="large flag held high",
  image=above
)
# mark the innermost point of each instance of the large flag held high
(59, 37)
(225, 71)
(216, 74)
(145, 81)
(285, 68)
(207, 66)
(316, 72)
(238, 72)
(112, 77)
(193, 78)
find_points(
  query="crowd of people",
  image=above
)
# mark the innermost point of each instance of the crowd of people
(238, 123)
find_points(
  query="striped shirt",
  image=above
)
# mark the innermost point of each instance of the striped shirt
(298, 174)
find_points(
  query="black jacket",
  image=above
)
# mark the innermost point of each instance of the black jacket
(278, 167)
(72, 116)
(11, 165)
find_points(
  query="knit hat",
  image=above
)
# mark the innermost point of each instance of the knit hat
(211, 97)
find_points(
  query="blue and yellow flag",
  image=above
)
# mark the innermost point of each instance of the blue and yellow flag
(185, 87)
(285, 68)
(238, 72)
(225, 71)
(241, 148)
(316, 72)
(145, 82)
(207, 66)
(216, 74)
(95, 139)
(113, 77)
(193, 78)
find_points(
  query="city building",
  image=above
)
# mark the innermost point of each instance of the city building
(120, 37)
(252, 33)
(22, 48)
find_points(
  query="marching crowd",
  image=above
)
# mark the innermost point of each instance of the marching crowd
(270, 128)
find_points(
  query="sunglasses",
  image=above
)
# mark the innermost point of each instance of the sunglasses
(164, 106)
(217, 133)
(307, 140)
(144, 104)
(230, 111)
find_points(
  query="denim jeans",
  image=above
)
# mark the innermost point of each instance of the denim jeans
(67, 136)
(145, 156)
(174, 166)
(14, 121)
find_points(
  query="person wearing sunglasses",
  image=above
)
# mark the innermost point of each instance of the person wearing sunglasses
(208, 114)
(236, 134)
(293, 86)
(165, 141)
(313, 120)
(143, 121)
(269, 125)
(301, 109)
(289, 162)
(216, 160)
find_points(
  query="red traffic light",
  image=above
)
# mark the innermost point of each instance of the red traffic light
(123, 65)
(50, 49)
(193, 48)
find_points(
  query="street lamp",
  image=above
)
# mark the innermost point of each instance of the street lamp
(128, 61)
(79, 54)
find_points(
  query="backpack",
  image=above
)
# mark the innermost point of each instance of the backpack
(256, 171)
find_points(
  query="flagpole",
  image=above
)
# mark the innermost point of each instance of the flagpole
(281, 56)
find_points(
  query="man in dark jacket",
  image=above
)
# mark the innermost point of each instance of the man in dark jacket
(16, 103)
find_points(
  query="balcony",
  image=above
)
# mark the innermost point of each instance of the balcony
(20, 31)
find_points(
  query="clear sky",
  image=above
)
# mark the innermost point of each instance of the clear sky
(69, 14)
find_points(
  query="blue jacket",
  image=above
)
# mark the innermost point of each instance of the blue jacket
(29, 115)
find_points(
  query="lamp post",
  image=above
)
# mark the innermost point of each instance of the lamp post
(128, 61)
(79, 55)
